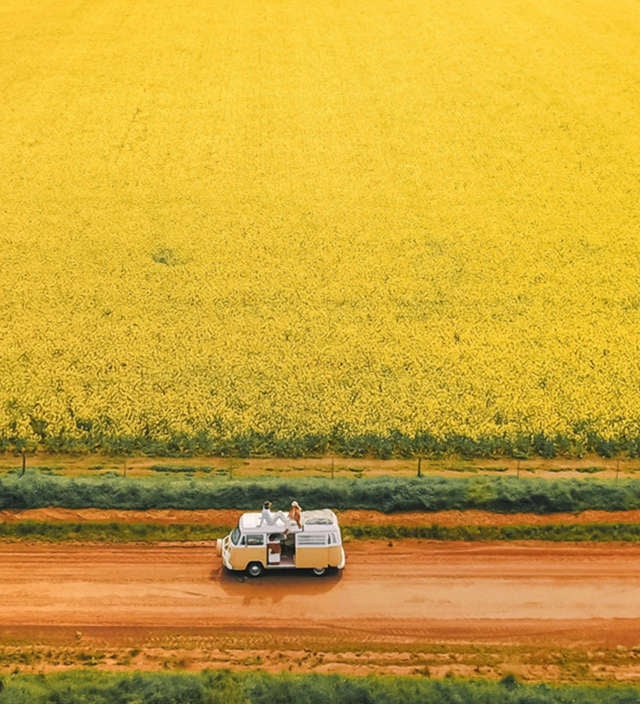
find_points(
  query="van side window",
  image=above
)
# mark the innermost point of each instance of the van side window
(311, 539)
(255, 540)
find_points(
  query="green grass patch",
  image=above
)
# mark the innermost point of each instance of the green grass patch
(223, 687)
(110, 532)
(55, 471)
(500, 494)
(595, 532)
(179, 469)
(152, 532)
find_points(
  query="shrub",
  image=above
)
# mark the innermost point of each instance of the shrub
(502, 494)
(221, 687)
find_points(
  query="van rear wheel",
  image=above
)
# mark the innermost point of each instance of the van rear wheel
(254, 569)
(319, 571)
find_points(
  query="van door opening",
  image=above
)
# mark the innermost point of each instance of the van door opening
(281, 549)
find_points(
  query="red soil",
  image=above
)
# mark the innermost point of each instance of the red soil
(229, 517)
(401, 607)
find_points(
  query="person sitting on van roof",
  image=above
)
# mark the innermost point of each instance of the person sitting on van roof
(295, 514)
(269, 517)
(294, 519)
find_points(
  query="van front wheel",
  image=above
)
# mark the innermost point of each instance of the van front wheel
(319, 571)
(254, 569)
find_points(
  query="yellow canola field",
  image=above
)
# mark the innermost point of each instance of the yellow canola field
(284, 217)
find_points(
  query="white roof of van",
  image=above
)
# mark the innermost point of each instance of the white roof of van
(250, 520)
(321, 517)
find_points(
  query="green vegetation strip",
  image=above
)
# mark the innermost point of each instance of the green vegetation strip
(502, 494)
(223, 687)
(151, 532)
(110, 532)
(594, 532)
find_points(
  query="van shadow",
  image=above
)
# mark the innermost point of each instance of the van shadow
(275, 585)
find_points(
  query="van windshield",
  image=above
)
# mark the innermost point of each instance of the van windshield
(235, 536)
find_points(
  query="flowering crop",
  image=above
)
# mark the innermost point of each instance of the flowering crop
(301, 222)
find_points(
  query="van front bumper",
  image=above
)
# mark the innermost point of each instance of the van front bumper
(226, 553)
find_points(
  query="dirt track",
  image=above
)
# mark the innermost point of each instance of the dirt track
(229, 517)
(405, 600)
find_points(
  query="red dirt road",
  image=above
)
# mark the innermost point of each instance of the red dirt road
(413, 584)
(389, 599)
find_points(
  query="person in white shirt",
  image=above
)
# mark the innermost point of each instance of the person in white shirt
(269, 517)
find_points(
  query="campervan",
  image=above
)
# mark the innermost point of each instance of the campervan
(255, 545)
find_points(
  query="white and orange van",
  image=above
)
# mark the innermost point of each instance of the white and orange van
(254, 546)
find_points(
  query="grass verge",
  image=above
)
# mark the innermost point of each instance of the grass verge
(387, 494)
(151, 532)
(223, 687)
